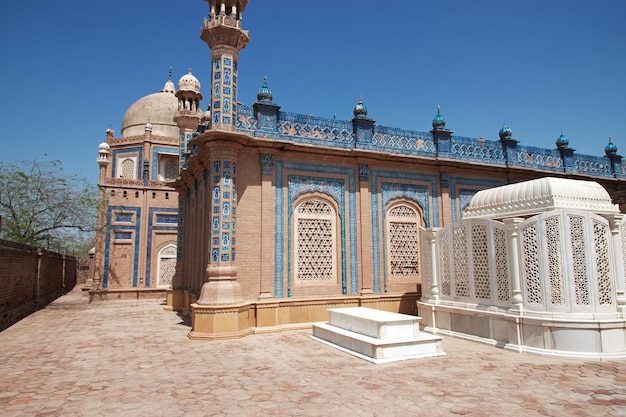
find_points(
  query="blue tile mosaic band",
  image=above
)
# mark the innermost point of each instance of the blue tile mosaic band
(319, 131)
(279, 271)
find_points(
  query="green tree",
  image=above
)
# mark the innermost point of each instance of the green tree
(42, 205)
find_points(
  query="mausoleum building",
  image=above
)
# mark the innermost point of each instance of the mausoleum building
(275, 217)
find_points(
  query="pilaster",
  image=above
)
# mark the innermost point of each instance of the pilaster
(615, 221)
(512, 230)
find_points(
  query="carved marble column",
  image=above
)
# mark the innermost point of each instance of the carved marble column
(615, 221)
(431, 237)
(512, 230)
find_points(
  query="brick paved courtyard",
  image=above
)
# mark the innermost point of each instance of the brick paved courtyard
(131, 358)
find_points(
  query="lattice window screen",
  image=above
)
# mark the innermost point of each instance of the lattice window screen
(530, 259)
(502, 269)
(128, 169)
(167, 266)
(555, 266)
(601, 245)
(480, 262)
(444, 261)
(403, 244)
(315, 242)
(461, 272)
(579, 260)
(170, 169)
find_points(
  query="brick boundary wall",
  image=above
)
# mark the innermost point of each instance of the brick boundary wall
(30, 279)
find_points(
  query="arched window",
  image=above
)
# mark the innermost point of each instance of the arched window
(402, 236)
(168, 168)
(127, 168)
(315, 242)
(166, 266)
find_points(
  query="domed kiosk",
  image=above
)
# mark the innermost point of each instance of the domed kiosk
(536, 266)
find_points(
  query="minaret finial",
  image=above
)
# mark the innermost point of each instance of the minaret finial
(189, 69)
(170, 72)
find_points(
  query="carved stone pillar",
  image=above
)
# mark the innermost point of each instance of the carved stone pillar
(433, 292)
(512, 230)
(615, 221)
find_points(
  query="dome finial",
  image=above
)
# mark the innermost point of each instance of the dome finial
(611, 149)
(360, 111)
(439, 122)
(505, 133)
(562, 142)
(265, 94)
(170, 77)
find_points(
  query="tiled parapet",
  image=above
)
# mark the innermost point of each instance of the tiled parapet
(320, 131)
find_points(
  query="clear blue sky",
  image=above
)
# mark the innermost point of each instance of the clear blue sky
(71, 69)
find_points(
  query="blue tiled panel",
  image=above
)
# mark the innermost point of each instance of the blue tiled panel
(395, 189)
(135, 151)
(460, 197)
(319, 131)
(110, 229)
(329, 186)
(155, 158)
(533, 157)
(473, 150)
(158, 213)
(598, 166)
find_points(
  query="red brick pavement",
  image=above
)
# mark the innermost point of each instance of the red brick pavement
(134, 359)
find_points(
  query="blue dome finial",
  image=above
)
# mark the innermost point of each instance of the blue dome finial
(265, 94)
(505, 133)
(360, 111)
(439, 123)
(611, 149)
(562, 142)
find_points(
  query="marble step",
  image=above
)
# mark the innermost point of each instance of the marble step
(378, 350)
(375, 323)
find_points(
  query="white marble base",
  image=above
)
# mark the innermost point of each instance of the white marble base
(377, 336)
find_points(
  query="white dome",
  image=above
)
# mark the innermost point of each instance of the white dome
(189, 83)
(157, 109)
(540, 195)
(104, 147)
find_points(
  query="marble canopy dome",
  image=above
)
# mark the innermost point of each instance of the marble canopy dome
(539, 195)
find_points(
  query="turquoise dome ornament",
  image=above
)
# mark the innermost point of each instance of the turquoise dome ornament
(611, 149)
(439, 123)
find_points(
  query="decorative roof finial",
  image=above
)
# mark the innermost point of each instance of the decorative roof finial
(439, 123)
(265, 94)
(562, 142)
(360, 111)
(170, 72)
(611, 149)
(505, 133)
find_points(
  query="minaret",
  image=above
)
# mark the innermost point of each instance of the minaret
(222, 32)
(188, 114)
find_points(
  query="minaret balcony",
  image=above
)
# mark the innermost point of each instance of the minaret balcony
(222, 20)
